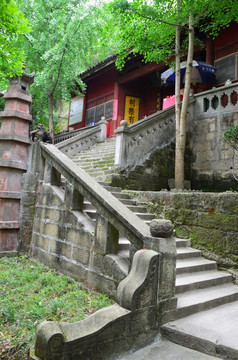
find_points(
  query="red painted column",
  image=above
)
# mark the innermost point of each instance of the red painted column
(14, 153)
(114, 124)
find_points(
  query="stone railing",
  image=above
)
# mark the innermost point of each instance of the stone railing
(216, 101)
(146, 298)
(83, 139)
(133, 321)
(113, 217)
(135, 143)
(67, 135)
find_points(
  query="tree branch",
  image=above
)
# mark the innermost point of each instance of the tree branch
(62, 58)
(27, 38)
(161, 21)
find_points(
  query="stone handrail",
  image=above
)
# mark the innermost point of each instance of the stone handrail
(67, 135)
(216, 101)
(79, 185)
(113, 217)
(135, 143)
(135, 319)
(149, 289)
(83, 139)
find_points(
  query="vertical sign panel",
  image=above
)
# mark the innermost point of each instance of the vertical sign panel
(76, 110)
(132, 109)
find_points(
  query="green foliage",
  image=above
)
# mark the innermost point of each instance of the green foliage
(31, 293)
(62, 44)
(149, 27)
(13, 26)
(230, 137)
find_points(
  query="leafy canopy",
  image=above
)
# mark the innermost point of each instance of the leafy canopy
(13, 26)
(148, 27)
(64, 41)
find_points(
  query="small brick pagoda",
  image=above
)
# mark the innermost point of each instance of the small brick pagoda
(14, 154)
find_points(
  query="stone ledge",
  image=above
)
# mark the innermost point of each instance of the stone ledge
(9, 224)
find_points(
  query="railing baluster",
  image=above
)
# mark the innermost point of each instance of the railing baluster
(72, 198)
(106, 236)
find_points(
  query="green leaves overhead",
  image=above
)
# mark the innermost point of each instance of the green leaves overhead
(62, 44)
(13, 26)
(148, 27)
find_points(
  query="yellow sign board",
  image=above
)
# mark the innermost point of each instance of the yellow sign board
(132, 109)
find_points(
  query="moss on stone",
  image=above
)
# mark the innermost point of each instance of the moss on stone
(212, 240)
(218, 221)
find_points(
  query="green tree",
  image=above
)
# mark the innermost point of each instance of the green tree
(162, 31)
(13, 25)
(62, 44)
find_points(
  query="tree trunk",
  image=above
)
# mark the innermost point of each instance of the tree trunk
(181, 127)
(177, 90)
(50, 110)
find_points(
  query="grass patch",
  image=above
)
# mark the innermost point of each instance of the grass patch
(31, 293)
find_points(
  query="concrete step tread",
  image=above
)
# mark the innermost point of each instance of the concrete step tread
(120, 195)
(187, 252)
(182, 250)
(212, 331)
(145, 216)
(128, 201)
(202, 296)
(182, 242)
(181, 263)
(183, 279)
(137, 208)
(201, 280)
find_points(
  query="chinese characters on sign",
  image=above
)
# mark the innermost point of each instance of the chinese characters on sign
(132, 108)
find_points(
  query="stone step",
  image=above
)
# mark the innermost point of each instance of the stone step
(128, 201)
(124, 244)
(145, 216)
(102, 160)
(111, 188)
(194, 301)
(137, 208)
(182, 242)
(88, 206)
(187, 252)
(213, 331)
(120, 195)
(92, 213)
(105, 171)
(93, 158)
(95, 165)
(200, 280)
(194, 265)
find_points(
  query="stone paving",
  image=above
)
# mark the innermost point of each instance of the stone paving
(163, 350)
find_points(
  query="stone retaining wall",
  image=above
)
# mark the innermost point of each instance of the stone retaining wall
(153, 175)
(213, 161)
(210, 220)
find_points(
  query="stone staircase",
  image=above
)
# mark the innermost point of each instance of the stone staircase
(199, 285)
(98, 160)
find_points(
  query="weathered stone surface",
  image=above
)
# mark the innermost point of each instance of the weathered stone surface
(139, 288)
(65, 240)
(108, 330)
(161, 228)
(209, 219)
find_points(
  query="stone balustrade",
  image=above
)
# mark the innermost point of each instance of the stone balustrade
(82, 139)
(67, 135)
(136, 142)
(113, 217)
(217, 101)
(133, 321)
